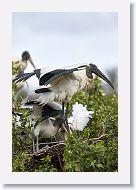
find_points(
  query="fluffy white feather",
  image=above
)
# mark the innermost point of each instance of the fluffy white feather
(80, 117)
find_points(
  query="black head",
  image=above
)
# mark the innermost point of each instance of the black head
(93, 69)
(25, 56)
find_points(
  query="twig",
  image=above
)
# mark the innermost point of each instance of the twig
(48, 143)
(96, 138)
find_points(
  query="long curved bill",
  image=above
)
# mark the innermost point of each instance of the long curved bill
(96, 71)
(32, 63)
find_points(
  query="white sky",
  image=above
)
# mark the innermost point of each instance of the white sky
(64, 38)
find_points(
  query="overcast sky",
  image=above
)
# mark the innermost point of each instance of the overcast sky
(58, 39)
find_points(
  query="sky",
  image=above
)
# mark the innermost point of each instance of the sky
(56, 39)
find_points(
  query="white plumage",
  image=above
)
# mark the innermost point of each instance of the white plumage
(80, 117)
(63, 89)
(67, 82)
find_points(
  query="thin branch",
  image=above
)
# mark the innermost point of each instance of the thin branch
(95, 139)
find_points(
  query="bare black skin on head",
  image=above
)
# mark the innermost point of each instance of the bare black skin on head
(95, 70)
(25, 56)
(89, 73)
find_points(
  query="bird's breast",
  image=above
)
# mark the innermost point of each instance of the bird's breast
(66, 89)
(47, 129)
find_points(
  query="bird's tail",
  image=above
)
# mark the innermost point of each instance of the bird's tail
(23, 77)
(46, 95)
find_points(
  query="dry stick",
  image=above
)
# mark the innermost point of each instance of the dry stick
(94, 139)
(59, 157)
(59, 142)
(48, 143)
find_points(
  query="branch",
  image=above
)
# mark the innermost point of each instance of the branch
(95, 139)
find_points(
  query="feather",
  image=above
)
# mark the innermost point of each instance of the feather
(23, 77)
(80, 117)
(53, 75)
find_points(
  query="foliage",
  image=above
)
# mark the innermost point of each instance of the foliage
(98, 155)
(95, 149)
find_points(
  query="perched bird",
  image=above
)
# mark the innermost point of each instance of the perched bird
(20, 65)
(67, 82)
(49, 126)
(42, 118)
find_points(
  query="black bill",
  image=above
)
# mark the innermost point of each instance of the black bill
(96, 71)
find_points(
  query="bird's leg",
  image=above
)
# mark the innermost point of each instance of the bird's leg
(37, 143)
(33, 146)
(67, 110)
(66, 116)
(63, 114)
(63, 111)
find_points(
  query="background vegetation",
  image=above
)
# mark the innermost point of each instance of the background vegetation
(93, 150)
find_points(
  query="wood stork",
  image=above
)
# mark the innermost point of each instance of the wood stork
(67, 82)
(20, 65)
(50, 127)
(42, 119)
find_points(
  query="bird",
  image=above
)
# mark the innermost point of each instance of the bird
(50, 127)
(67, 82)
(21, 65)
(42, 119)
(18, 67)
(47, 128)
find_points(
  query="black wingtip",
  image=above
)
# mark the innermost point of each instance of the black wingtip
(23, 77)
